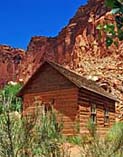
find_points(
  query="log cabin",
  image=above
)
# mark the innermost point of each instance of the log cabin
(74, 98)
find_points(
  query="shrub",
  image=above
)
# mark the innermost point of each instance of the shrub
(23, 137)
(109, 146)
(92, 128)
(8, 98)
(49, 135)
(76, 140)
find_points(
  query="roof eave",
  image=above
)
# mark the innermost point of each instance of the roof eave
(109, 97)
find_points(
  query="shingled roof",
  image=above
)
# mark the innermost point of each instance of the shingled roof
(79, 81)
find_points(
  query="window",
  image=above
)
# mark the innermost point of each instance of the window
(93, 113)
(106, 115)
(47, 108)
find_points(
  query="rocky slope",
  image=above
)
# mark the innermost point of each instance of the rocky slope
(79, 47)
(10, 61)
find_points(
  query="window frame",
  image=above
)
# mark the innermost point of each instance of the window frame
(93, 112)
(106, 116)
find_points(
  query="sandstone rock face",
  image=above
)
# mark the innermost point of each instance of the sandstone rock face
(79, 47)
(10, 60)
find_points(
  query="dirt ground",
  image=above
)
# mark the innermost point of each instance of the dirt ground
(71, 150)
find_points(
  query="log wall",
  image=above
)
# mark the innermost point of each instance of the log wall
(47, 79)
(85, 99)
(74, 106)
(65, 105)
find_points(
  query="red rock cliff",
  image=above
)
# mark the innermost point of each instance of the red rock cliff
(10, 60)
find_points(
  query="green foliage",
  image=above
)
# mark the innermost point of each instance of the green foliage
(34, 136)
(112, 33)
(8, 99)
(11, 90)
(115, 5)
(109, 146)
(49, 135)
(109, 41)
(116, 132)
(120, 35)
(76, 140)
(10, 134)
(117, 9)
(92, 128)
(110, 3)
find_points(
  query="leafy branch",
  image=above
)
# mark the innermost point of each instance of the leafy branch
(114, 32)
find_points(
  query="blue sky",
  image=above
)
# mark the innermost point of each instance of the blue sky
(22, 19)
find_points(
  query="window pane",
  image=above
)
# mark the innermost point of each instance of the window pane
(93, 118)
(93, 108)
(106, 115)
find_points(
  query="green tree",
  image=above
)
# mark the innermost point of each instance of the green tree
(114, 32)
